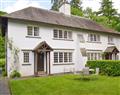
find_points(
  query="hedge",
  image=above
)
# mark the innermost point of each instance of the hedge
(107, 67)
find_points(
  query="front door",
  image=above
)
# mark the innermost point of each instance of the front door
(40, 65)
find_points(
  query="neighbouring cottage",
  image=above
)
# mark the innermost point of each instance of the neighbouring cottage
(43, 41)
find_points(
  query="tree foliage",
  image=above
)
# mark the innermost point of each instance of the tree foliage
(2, 40)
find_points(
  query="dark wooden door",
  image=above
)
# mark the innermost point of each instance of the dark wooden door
(40, 65)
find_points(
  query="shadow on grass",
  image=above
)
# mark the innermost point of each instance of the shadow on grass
(86, 78)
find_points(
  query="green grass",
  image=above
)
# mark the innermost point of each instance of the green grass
(67, 85)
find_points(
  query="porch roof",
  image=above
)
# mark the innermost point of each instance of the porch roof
(111, 49)
(43, 46)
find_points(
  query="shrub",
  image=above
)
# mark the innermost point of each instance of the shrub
(15, 74)
(107, 67)
(2, 62)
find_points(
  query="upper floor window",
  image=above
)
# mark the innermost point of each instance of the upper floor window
(32, 31)
(60, 34)
(110, 40)
(94, 38)
(81, 38)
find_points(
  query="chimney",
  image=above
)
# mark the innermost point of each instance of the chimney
(65, 7)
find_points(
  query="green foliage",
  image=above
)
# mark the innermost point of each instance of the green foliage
(76, 4)
(76, 11)
(2, 62)
(107, 67)
(2, 47)
(15, 74)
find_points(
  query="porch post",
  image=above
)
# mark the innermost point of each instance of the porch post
(49, 64)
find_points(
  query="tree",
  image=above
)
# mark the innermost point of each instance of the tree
(107, 10)
(76, 4)
(56, 4)
(2, 40)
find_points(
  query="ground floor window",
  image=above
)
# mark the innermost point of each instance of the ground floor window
(94, 55)
(63, 57)
(26, 57)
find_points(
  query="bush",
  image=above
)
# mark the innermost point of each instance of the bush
(2, 62)
(107, 67)
(15, 74)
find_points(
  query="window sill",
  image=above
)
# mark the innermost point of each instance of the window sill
(94, 42)
(111, 43)
(33, 37)
(63, 64)
(63, 39)
(27, 64)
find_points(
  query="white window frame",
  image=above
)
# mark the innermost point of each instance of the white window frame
(63, 37)
(110, 40)
(33, 31)
(92, 37)
(24, 56)
(69, 61)
(94, 55)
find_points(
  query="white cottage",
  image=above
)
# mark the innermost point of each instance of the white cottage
(46, 42)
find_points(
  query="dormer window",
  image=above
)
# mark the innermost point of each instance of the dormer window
(32, 31)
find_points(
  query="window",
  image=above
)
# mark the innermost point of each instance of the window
(32, 31)
(55, 57)
(94, 55)
(81, 38)
(61, 34)
(94, 38)
(69, 35)
(29, 28)
(110, 40)
(36, 31)
(26, 57)
(55, 33)
(62, 57)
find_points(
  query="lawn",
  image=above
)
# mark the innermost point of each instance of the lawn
(66, 85)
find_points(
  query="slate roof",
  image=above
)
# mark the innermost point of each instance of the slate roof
(111, 49)
(57, 18)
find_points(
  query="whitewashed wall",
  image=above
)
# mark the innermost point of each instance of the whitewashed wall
(17, 31)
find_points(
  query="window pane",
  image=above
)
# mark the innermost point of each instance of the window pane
(29, 30)
(69, 35)
(70, 57)
(65, 34)
(55, 31)
(26, 57)
(65, 57)
(60, 57)
(55, 57)
(60, 34)
(36, 31)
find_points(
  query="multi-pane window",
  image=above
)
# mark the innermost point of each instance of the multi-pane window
(36, 31)
(26, 57)
(32, 31)
(94, 38)
(62, 57)
(110, 39)
(94, 55)
(55, 33)
(60, 34)
(29, 30)
(55, 57)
